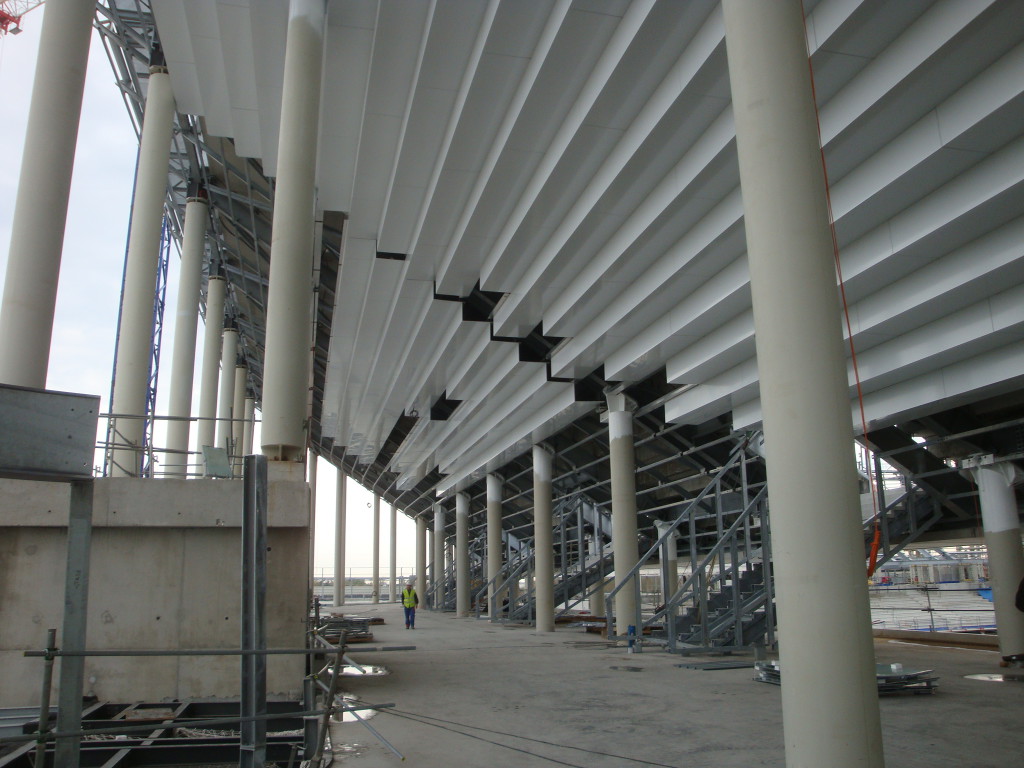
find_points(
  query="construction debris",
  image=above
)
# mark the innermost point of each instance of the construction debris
(891, 678)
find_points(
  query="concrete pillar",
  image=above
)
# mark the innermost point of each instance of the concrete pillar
(206, 432)
(671, 559)
(226, 396)
(438, 574)
(250, 417)
(462, 587)
(495, 549)
(135, 332)
(238, 416)
(817, 540)
(543, 540)
(597, 600)
(622, 466)
(421, 556)
(186, 320)
(41, 206)
(340, 499)
(393, 558)
(289, 335)
(1003, 540)
(376, 548)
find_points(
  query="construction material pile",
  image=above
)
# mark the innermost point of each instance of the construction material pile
(891, 678)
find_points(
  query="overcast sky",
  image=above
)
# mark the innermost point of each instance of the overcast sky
(81, 354)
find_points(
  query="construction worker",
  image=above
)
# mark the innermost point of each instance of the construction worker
(409, 601)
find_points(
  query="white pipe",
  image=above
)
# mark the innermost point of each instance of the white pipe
(250, 418)
(44, 185)
(393, 553)
(421, 556)
(817, 540)
(376, 548)
(135, 332)
(186, 320)
(238, 417)
(622, 468)
(543, 540)
(206, 432)
(495, 550)
(288, 341)
(438, 567)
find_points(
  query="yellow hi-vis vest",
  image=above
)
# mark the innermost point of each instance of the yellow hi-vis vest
(409, 599)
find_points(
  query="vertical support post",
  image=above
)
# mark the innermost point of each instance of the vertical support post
(340, 499)
(393, 557)
(44, 186)
(622, 466)
(421, 557)
(226, 399)
(438, 572)
(462, 600)
(494, 548)
(250, 418)
(206, 432)
(1002, 539)
(804, 400)
(253, 745)
(375, 595)
(186, 321)
(543, 541)
(287, 358)
(134, 335)
(76, 601)
(311, 460)
(238, 418)
(44, 697)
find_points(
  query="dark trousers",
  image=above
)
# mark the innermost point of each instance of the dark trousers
(410, 617)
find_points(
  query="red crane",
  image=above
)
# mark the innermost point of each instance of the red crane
(11, 12)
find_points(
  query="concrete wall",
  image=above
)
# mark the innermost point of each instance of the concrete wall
(165, 575)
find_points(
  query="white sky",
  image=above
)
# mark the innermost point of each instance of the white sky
(81, 354)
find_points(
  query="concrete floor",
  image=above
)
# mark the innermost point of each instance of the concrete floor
(477, 694)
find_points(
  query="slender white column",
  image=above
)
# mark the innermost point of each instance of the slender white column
(135, 332)
(226, 391)
(340, 499)
(622, 466)
(817, 539)
(206, 432)
(286, 372)
(41, 207)
(376, 548)
(1003, 540)
(421, 556)
(186, 320)
(597, 601)
(250, 417)
(438, 571)
(311, 463)
(393, 558)
(495, 550)
(543, 540)
(462, 554)
(238, 416)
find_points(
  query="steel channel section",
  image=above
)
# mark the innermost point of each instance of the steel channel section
(76, 598)
(253, 743)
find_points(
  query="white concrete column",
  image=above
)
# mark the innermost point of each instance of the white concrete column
(543, 540)
(376, 548)
(1003, 540)
(622, 467)
(393, 558)
(311, 463)
(206, 432)
(340, 499)
(135, 332)
(495, 550)
(817, 540)
(438, 572)
(671, 559)
(462, 587)
(597, 600)
(421, 556)
(41, 206)
(288, 341)
(186, 320)
(250, 418)
(238, 416)
(226, 390)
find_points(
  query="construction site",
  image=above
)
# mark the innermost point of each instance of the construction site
(687, 333)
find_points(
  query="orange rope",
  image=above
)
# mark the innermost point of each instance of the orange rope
(876, 541)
